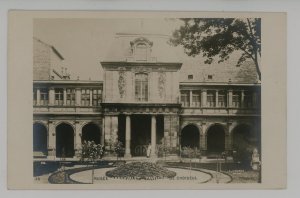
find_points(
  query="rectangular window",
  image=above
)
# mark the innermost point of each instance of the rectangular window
(85, 97)
(211, 98)
(141, 87)
(248, 99)
(34, 99)
(185, 99)
(196, 99)
(236, 99)
(70, 97)
(44, 97)
(97, 97)
(222, 99)
(59, 97)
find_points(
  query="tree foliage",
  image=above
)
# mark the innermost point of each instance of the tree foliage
(220, 37)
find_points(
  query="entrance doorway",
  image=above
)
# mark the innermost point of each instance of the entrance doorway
(91, 132)
(64, 141)
(190, 136)
(215, 139)
(39, 140)
(140, 134)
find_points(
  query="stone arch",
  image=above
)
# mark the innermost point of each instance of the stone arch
(91, 131)
(215, 134)
(190, 136)
(40, 139)
(56, 123)
(64, 140)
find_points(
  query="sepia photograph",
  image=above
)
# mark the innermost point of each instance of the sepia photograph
(147, 101)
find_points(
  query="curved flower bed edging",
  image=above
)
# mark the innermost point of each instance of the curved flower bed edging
(69, 172)
(194, 169)
(63, 177)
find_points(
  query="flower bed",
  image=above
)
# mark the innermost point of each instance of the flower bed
(141, 170)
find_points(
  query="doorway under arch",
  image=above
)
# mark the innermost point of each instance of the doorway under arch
(64, 141)
(40, 140)
(215, 139)
(190, 136)
(91, 132)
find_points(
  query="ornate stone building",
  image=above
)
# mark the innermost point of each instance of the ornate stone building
(147, 96)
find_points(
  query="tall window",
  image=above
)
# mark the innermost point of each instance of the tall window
(97, 97)
(70, 97)
(85, 97)
(141, 87)
(44, 97)
(236, 99)
(248, 99)
(34, 95)
(222, 98)
(59, 96)
(185, 100)
(211, 98)
(141, 52)
(196, 99)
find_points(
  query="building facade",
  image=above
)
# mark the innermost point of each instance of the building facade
(143, 99)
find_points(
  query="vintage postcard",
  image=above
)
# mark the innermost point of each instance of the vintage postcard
(146, 100)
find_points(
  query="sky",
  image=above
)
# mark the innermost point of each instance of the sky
(85, 42)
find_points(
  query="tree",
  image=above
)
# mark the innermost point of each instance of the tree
(91, 152)
(119, 149)
(220, 37)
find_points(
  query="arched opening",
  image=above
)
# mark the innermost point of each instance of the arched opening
(39, 140)
(190, 136)
(215, 139)
(64, 141)
(91, 132)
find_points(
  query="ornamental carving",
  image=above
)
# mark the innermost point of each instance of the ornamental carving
(140, 69)
(162, 84)
(122, 83)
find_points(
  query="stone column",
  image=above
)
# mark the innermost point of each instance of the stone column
(229, 98)
(229, 137)
(65, 97)
(203, 143)
(203, 97)
(78, 134)
(217, 98)
(51, 140)
(51, 96)
(102, 133)
(191, 98)
(91, 97)
(242, 98)
(78, 97)
(153, 136)
(128, 137)
(38, 97)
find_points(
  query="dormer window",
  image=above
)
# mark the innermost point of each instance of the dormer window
(190, 77)
(141, 52)
(141, 49)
